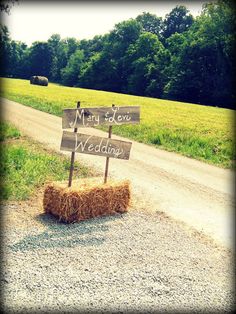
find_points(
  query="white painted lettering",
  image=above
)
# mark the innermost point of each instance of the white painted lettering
(98, 147)
(81, 144)
(90, 148)
(78, 116)
(104, 148)
(115, 118)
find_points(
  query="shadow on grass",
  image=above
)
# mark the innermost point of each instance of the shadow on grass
(91, 232)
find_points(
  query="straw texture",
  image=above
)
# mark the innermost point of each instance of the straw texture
(87, 200)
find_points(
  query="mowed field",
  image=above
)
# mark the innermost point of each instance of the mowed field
(200, 132)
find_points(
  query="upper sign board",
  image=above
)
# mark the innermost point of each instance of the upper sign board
(88, 117)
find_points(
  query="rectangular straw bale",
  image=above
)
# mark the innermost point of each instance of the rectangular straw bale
(86, 199)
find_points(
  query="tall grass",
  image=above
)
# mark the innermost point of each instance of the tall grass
(25, 166)
(201, 132)
(8, 131)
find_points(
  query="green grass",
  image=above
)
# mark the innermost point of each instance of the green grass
(200, 132)
(25, 166)
(8, 131)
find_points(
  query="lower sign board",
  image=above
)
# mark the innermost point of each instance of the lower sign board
(95, 145)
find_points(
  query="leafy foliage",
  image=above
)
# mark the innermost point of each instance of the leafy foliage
(70, 74)
(151, 23)
(6, 5)
(178, 20)
(202, 65)
(178, 57)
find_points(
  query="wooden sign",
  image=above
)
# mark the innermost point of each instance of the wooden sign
(95, 145)
(88, 117)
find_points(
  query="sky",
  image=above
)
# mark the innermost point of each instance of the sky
(36, 21)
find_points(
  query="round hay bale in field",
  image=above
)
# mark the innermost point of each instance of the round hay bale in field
(87, 200)
(32, 79)
(39, 80)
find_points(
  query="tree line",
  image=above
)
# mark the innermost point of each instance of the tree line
(179, 57)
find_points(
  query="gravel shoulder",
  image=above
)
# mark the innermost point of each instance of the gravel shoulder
(137, 262)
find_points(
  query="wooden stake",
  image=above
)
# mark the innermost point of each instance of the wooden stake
(107, 158)
(72, 159)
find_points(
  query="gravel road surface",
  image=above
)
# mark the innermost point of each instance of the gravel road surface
(151, 260)
(132, 263)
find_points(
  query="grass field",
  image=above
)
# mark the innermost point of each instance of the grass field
(200, 132)
(25, 166)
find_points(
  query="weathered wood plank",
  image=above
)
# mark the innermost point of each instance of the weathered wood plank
(95, 145)
(87, 117)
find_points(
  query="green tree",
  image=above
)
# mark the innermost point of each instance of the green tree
(204, 69)
(177, 21)
(99, 73)
(7, 5)
(118, 42)
(61, 51)
(151, 23)
(40, 58)
(138, 80)
(105, 66)
(16, 59)
(72, 44)
(92, 46)
(157, 75)
(70, 74)
(24, 68)
(146, 60)
(4, 49)
(12, 56)
(54, 43)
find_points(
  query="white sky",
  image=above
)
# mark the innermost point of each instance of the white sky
(32, 21)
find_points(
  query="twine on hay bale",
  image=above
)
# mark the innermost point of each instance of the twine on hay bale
(86, 200)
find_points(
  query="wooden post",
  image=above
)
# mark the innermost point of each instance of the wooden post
(72, 159)
(107, 159)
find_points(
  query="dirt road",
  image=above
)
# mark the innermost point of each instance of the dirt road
(195, 193)
(140, 262)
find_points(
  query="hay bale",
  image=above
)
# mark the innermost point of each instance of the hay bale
(39, 80)
(87, 200)
(32, 79)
